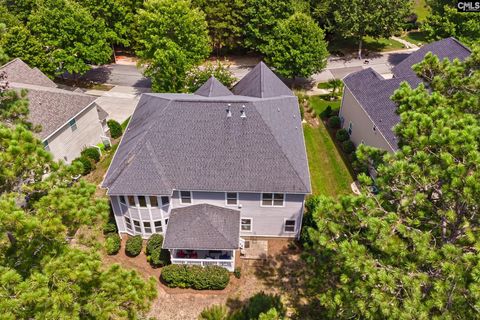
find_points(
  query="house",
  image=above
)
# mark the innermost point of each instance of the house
(69, 120)
(212, 169)
(367, 112)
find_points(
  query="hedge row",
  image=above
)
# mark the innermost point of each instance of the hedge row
(196, 277)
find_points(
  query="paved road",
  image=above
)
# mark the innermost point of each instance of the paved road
(118, 74)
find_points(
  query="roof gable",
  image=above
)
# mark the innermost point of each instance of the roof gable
(261, 82)
(19, 71)
(213, 88)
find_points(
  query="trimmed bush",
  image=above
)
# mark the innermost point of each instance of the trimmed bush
(334, 122)
(237, 272)
(113, 243)
(155, 254)
(91, 153)
(86, 163)
(115, 128)
(133, 247)
(109, 227)
(342, 135)
(348, 146)
(196, 277)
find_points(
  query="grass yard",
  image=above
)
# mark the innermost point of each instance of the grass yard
(421, 9)
(416, 37)
(328, 172)
(350, 45)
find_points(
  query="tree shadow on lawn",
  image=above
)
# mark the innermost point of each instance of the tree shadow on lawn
(287, 271)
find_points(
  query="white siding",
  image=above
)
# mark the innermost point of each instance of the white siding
(66, 144)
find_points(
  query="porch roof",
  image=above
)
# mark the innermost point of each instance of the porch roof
(203, 226)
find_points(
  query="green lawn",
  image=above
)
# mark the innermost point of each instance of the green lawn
(328, 172)
(420, 7)
(350, 45)
(416, 37)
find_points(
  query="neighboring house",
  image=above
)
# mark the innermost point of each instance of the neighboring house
(213, 166)
(70, 120)
(368, 113)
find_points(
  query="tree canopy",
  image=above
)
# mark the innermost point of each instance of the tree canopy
(375, 18)
(297, 47)
(410, 251)
(198, 76)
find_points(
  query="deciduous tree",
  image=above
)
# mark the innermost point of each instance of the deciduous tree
(297, 47)
(198, 76)
(412, 250)
(375, 18)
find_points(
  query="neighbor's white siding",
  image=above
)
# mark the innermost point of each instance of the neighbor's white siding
(66, 144)
(266, 221)
(362, 125)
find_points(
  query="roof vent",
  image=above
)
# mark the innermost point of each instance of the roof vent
(242, 112)
(229, 113)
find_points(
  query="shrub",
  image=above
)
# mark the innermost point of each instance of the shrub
(342, 135)
(334, 122)
(115, 128)
(109, 227)
(215, 312)
(237, 272)
(91, 153)
(133, 247)
(348, 146)
(327, 112)
(86, 164)
(262, 303)
(196, 277)
(155, 254)
(113, 243)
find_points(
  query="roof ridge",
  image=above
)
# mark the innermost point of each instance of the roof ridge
(11, 61)
(210, 221)
(157, 163)
(283, 151)
(461, 44)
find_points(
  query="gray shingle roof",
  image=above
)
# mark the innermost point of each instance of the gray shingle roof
(19, 71)
(102, 114)
(261, 82)
(51, 107)
(373, 92)
(203, 226)
(449, 48)
(213, 88)
(187, 142)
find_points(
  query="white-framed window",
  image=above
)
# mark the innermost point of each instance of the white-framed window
(73, 124)
(136, 225)
(153, 201)
(122, 200)
(142, 202)
(350, 128)
(246, 224)
(158, 226)
(131, 201)
(147, 227)
(273, 199)
(128, 224)
(45, 145)
(289, 226)
(185, 197)
(165, 201)
(231, 198)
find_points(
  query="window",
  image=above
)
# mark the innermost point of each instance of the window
(185, 197)
(131, 201)
(45, 145)
(289, 226)
(350, 126)
(273, 199)
(165, 201)
(158, 226)
(128, 224)
(246, 224)
(73, 124)
(147, 227)
(136, 224)
(122, 200)
(232, 198)
(153, 201)
(142, 201)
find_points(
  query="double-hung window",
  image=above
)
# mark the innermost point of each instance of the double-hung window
(131, 201)
(73, 124)
(142, 202)
(246, 224)
(136, 224)
(165, 201)
(231, 198)
(185, 197)
(147, 227)
(122, 200)
(289, 226)
(128, 224)
(273, 199)
(158, 226)
(153, 201)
